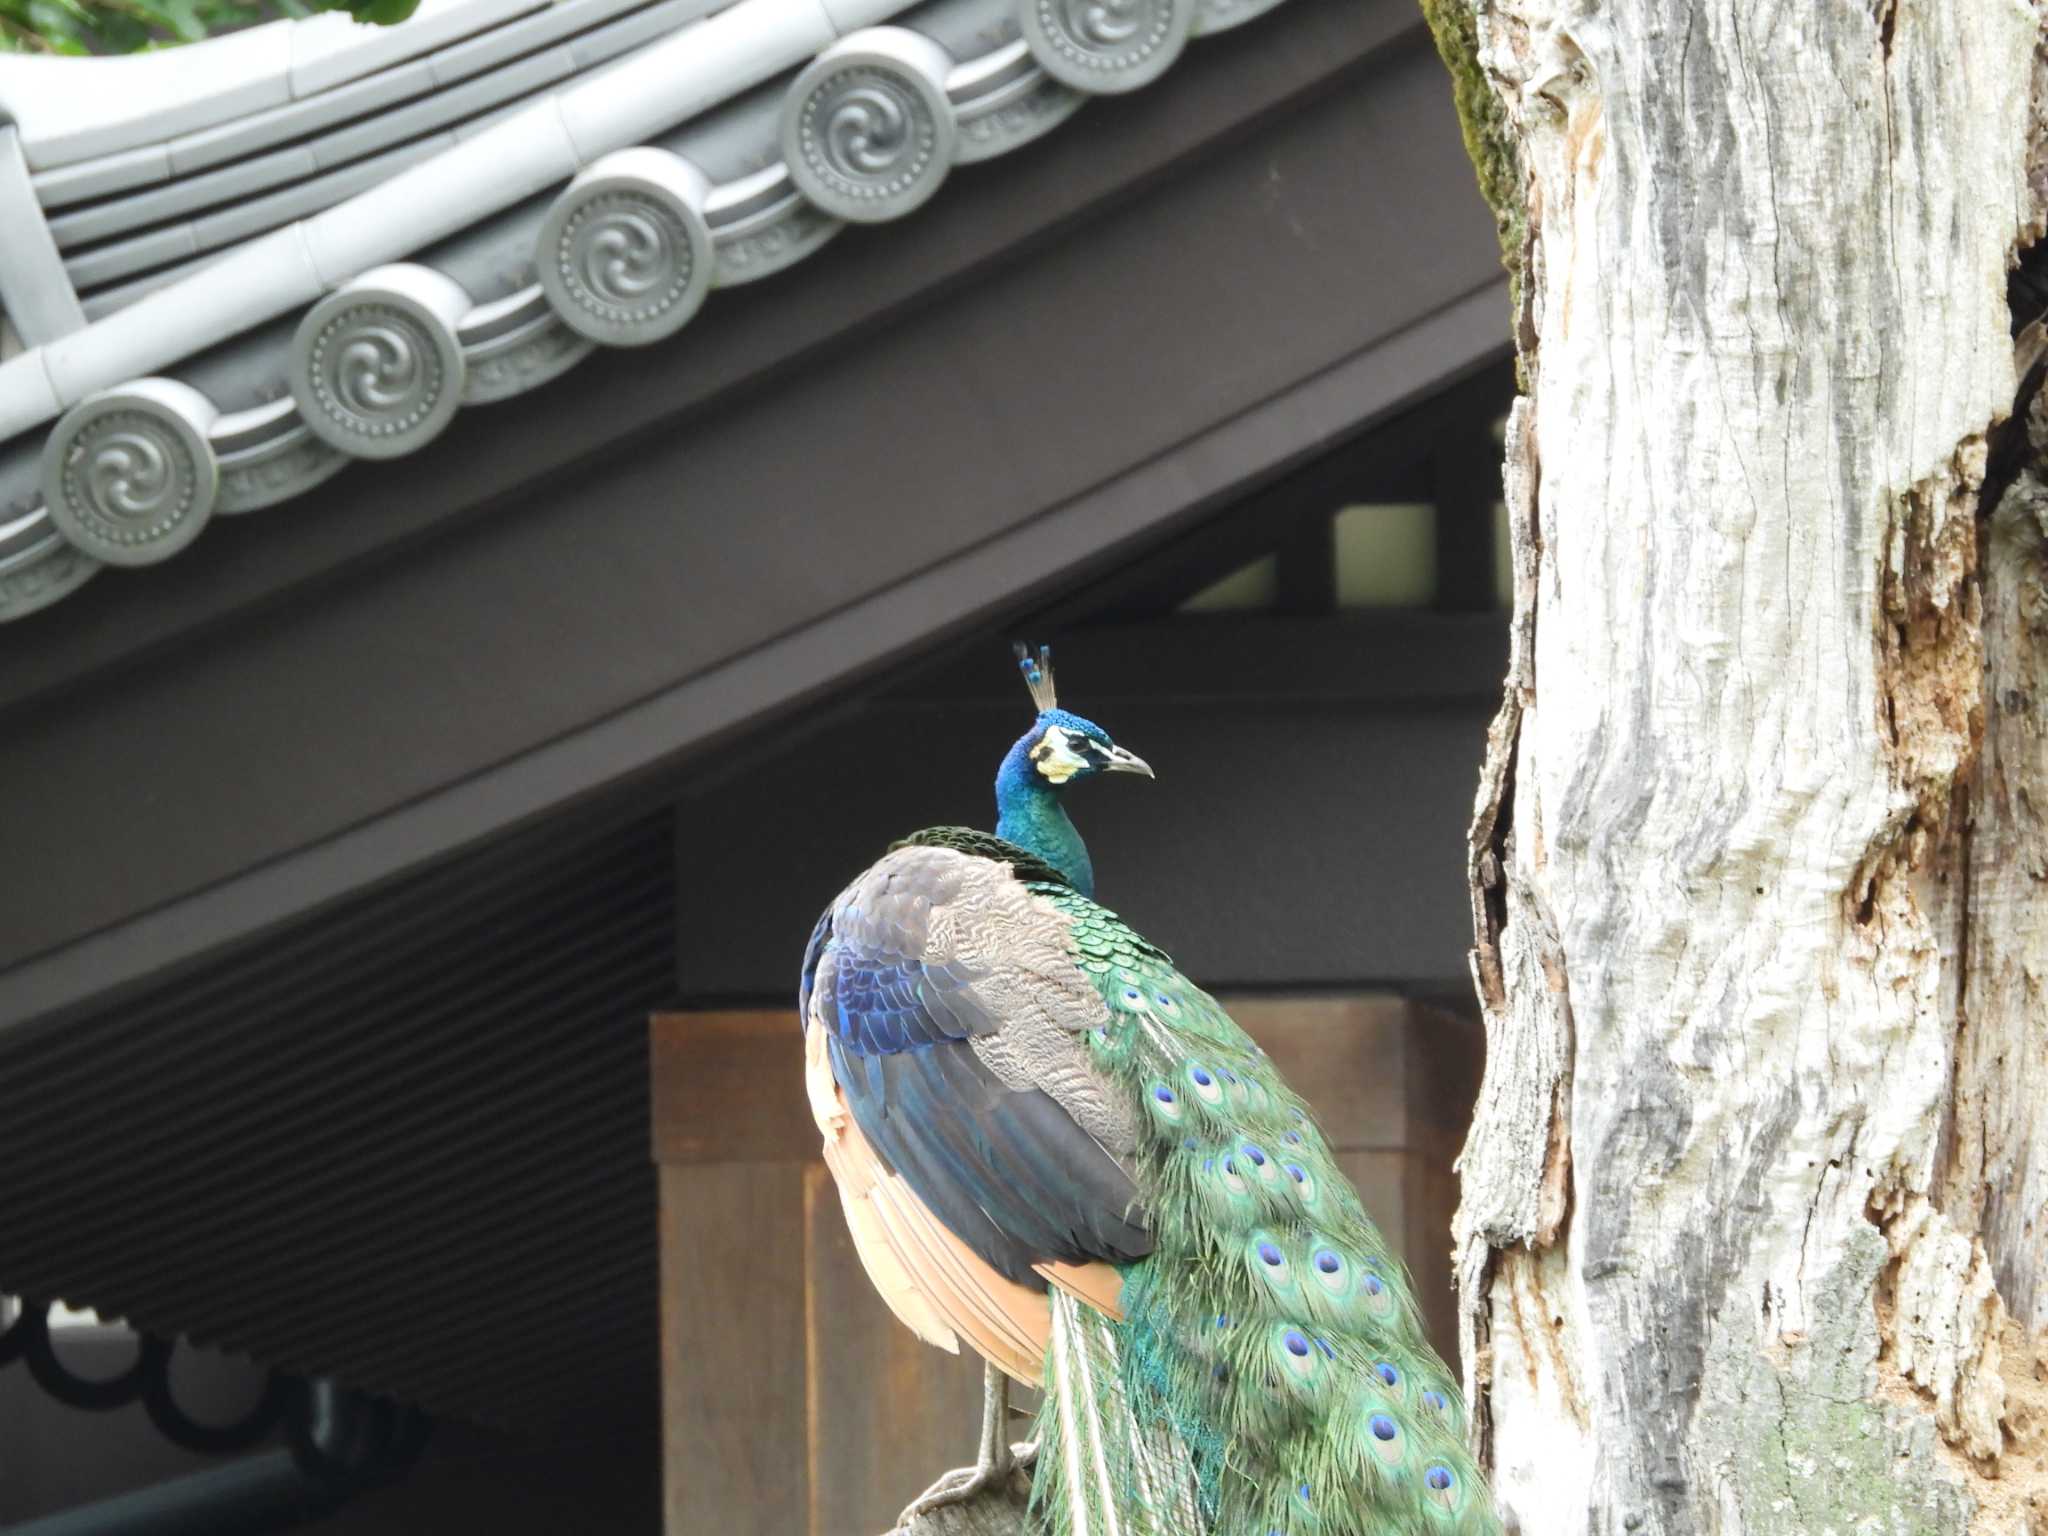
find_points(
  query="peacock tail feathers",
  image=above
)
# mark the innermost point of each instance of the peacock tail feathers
(1270, 1375)
(1110, 1460)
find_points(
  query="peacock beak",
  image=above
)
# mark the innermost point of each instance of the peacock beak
(1121, 761)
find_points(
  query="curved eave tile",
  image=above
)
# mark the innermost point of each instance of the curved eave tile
(720, 153)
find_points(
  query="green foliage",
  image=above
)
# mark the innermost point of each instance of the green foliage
(82, 27)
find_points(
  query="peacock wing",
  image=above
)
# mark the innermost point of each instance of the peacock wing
(951, 1010)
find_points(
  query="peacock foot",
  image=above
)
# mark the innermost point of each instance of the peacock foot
(957, 1487)
(994, 1461)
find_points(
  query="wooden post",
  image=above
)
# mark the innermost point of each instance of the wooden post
(730, 1137)
(791, 1400)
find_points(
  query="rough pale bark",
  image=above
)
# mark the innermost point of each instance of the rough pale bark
(1999, 1171)
(1729, 1261)
(1995, 1179)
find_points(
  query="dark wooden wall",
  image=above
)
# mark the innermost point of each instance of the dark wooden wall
(1307, 828)
(57, 1460)
(792, 1401)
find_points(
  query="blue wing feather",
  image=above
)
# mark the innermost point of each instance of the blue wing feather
(1007, 1170)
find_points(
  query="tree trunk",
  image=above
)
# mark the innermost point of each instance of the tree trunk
(1759, 863)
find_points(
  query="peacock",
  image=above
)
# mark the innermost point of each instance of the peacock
(1048, 1142)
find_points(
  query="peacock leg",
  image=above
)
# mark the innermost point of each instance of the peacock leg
(993, 1463)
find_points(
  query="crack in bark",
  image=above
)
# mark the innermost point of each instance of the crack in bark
(1488, 853)
(1887, 21)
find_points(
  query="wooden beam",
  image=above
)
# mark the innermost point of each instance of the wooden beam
(728, 1088)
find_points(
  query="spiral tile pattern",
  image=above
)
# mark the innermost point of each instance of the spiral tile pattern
(1106, 46)
(868, 136)
(128, 476)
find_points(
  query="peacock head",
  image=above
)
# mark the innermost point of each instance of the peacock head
(1061, 747)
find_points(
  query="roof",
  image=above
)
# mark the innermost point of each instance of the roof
(359, 831)
(245, 263)
(1066, 357)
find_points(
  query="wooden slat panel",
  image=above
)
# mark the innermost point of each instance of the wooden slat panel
(1344, 1055)
(729, 1087)
(887, 1412)
(732, 1349)
(1382, 1180)
(1410, 1196)
(1447, 1049)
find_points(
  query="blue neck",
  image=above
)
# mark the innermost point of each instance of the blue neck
(1029, 814)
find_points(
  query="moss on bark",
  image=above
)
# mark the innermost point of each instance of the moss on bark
(1484, 121)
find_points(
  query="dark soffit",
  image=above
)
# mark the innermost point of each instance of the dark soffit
(1303, 276)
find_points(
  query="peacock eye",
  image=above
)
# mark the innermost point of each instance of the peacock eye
(1269, 1254)
(1297, 1345)
(1293, 1138)
(1166, 1104)
(1383, 1428)
(1328, 1262)
(1388, 1374)
(1324, 1346)
(1257, 1156)
(1296, 1172)
(1374, 1285)
(1434, 1401)
(1439, 1477)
